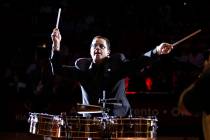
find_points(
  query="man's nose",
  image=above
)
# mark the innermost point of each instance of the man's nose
(97, 47)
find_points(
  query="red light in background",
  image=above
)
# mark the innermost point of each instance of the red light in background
(126, 87)
(148, 82)
(126, 83)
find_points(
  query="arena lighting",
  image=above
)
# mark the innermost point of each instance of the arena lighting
(131, 92)
(148, 83)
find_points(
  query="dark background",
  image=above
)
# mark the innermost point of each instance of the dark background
(133, 28)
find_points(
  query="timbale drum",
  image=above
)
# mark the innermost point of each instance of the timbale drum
(94, 128)
(135, 128)
(46, 124)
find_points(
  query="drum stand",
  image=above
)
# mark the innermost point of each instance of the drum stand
(106, 121)
(106, 125)
(67, 127)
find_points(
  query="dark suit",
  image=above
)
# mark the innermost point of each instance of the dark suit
(107, 76)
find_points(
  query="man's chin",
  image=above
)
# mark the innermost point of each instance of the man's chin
(98, 59)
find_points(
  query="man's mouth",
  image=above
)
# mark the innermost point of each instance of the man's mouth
(97, 53)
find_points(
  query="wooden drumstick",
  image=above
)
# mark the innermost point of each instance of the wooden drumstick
(58, 17)
(185, 38)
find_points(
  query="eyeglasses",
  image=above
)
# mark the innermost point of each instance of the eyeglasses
(101, 46)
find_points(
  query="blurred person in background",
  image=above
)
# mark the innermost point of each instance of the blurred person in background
(194, 100)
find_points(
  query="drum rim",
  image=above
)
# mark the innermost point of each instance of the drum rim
(154, 118)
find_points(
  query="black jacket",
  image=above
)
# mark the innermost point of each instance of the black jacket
(108, 76)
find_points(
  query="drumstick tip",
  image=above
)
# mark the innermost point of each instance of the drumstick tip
(187, 37)
(58, 18)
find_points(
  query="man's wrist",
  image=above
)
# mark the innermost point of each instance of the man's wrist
(56, 47)
(155, 51)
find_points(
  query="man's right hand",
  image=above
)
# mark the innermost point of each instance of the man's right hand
(56, 39)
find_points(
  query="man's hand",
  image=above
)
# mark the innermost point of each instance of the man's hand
(56, 39)
(164, 48)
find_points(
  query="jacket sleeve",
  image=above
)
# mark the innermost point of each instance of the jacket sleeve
(151, 53)
(58, 68)
(140, 63)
